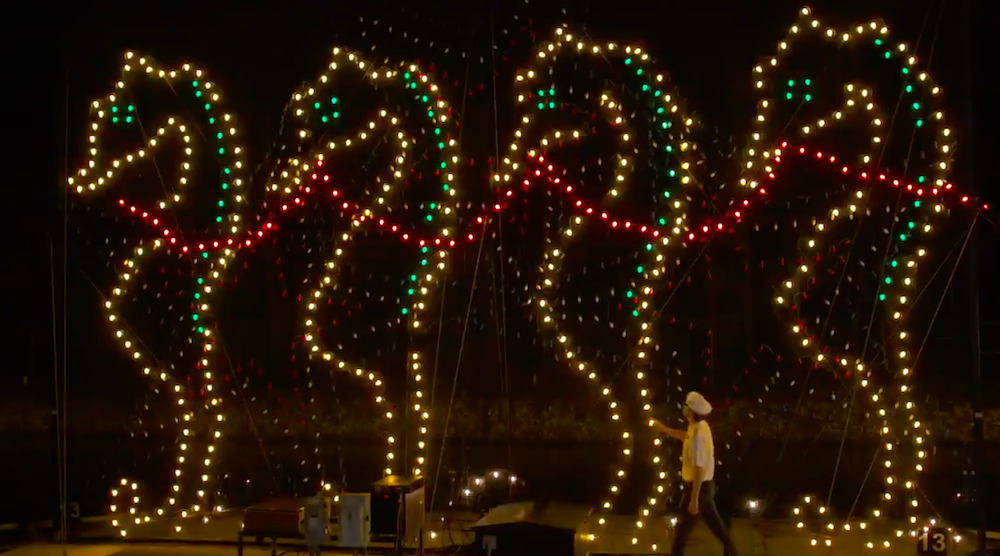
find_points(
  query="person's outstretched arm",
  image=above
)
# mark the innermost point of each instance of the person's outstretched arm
(663, 429)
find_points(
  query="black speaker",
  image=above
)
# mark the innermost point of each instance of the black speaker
(398, 507)
(528, 528)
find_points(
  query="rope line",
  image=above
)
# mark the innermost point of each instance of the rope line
(468, 310)
(503, 281)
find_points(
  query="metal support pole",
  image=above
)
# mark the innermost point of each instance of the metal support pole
(977, 402)
(977, 386)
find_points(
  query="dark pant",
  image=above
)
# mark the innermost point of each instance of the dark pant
(706, 510)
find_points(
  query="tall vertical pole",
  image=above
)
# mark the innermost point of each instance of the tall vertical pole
(977, 403)
(65, 311)
(977, 380)
(56, 398)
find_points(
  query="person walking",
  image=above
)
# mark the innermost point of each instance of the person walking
(697, 472)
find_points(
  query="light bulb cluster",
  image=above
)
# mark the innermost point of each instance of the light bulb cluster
(812, 515)
(765, 133)
(199, 404)
(309, 106)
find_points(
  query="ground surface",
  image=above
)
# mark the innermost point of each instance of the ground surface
(217, 538)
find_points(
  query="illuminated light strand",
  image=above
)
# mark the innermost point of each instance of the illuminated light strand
(306, 174)
(96, 176)
(439, 112)
(800, 514)
(428, 275)
(526, 82)
(550, 272)
(92, 178)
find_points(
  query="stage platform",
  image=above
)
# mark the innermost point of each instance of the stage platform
(218, 537)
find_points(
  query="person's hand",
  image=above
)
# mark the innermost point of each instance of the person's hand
(693, 507)
(656, 424)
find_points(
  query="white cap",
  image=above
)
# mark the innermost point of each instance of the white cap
(698, 404)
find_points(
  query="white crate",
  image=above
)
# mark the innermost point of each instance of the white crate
(355, 520)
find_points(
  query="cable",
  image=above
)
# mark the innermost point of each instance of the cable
(659, 312)
(458, 364)
(461, 129)
(503, 281)
(65, 405)
(930, 281)
(55, 380)
(246, 407)
(437, 350)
